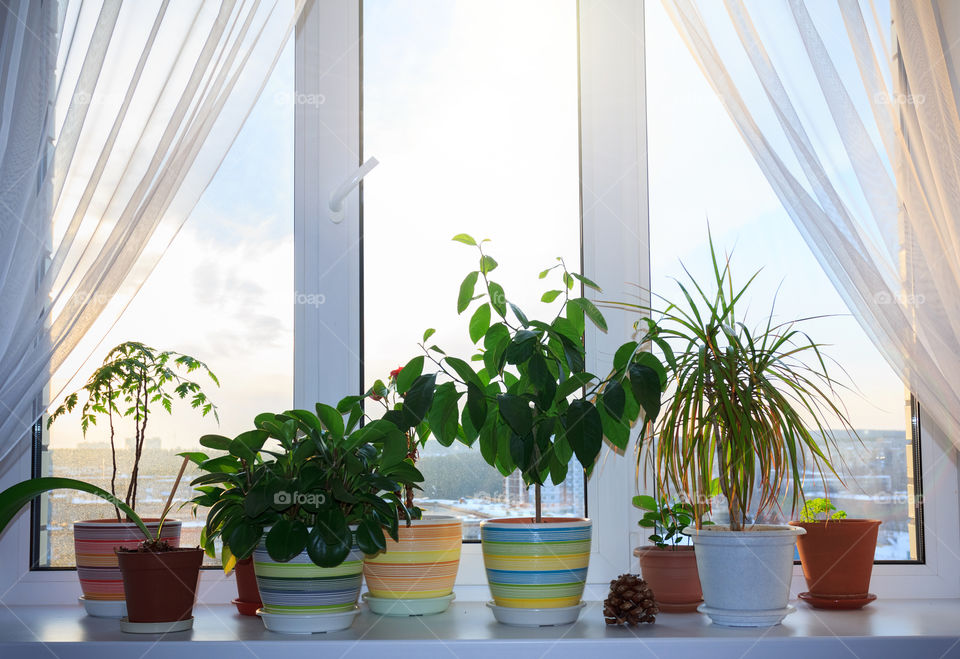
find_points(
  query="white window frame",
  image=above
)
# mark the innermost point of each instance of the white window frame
(328, 345)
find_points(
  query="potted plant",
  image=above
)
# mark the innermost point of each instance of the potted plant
(837, 556)
(133, 382)
(667, 565)
(159, 579)
(531, 405)
(226, 478)
(744, 406)
(311, 511)
(414, 574)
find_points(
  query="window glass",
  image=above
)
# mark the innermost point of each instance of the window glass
(222, 293)
(701, 172)
(471, 108)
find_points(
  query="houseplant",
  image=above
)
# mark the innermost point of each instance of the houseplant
(160, 580)
(741, 409)
(228, 477)
(837, 556)
(415, 574)
(667, 565)
(531, 405)
(132, 383)
(312, 510)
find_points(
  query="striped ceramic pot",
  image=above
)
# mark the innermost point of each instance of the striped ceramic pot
(300, 597)
(415, 576)
(100, 579)
(536, 571)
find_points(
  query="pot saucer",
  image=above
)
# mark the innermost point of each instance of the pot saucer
(408, 607)
(246, 608)
(837, 603)
(104, 608)
(308, 623)
(746, 618)
(155, 627)
(679, 608)
(518, 617)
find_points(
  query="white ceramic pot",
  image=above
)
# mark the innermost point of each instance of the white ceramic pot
(745, 574)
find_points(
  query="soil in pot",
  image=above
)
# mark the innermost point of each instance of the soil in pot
(160, 586)
(248, 594)
(672, 575)
(837, 558)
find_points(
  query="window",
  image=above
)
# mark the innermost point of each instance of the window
(684, 118)
(222, 293)
(470, 139)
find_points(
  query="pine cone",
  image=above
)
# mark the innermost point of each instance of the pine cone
(630, 602)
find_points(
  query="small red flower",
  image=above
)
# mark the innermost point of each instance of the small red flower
(395, 372)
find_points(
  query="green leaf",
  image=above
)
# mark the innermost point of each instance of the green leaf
(195, 457)
(586, 282)
(476, 405)
(522, 317)
(614, 399)
(516, 412)
(444, 412)
(645, 385)
(417, 400)
(462, 368)
(522, 346)
(410, 372)
(286, 540)
(573, 383)
(584, 431)
(428, 333)
(480, 322)
(465, 239)
(467, 287)
(487, 264)
(498, 299)
(542, 379)
(331, 419)
(218, 442)
(591, 311)
(622, 357)
(330, 540)
(550, 296)
(243, 538)
(370, 537)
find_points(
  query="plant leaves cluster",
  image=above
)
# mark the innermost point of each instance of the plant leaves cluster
(530, 403)
(667, 522)
(313, 481)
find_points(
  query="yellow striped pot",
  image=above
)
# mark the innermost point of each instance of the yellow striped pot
(538, 567)
(94, 542)
(415, 576)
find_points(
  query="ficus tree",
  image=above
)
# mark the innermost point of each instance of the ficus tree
(525, 396)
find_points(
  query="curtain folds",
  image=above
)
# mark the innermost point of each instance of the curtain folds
(850, 108)
(114, 117)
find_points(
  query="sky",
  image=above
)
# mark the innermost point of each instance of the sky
(471, 109)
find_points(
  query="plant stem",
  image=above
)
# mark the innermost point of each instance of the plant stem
(537, 504)
(113, 450)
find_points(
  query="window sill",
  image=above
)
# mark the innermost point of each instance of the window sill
(884, 629)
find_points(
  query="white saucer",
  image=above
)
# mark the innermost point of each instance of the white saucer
(408, 607)
(758, 618)
(155, 627)
(517, 617)
(307, 623)
(104, 608)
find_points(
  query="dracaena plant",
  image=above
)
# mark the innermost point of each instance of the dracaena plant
(323, 485)
(530, 402)
(746, 404)
(133, 382)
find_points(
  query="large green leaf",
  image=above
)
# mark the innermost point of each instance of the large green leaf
(516, 412)
(584, 431)
(467, 287)
(480, 322)
(17, 496)
(417, 400)
(444, 413)
(370, 537)
(645, 384)
(286, 540)
(409, 373)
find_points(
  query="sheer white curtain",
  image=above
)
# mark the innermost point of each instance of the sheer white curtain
(114, 116)
(850, 108)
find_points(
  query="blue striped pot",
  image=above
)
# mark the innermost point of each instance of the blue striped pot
(300, 597)
(536, 566)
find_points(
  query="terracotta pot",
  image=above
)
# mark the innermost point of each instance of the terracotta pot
(160, 586)
(672, 574)
(536, 571)
(248, 595)
(94, 542)
(837, 557)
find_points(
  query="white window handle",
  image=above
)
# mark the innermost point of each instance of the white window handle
(339, 196)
